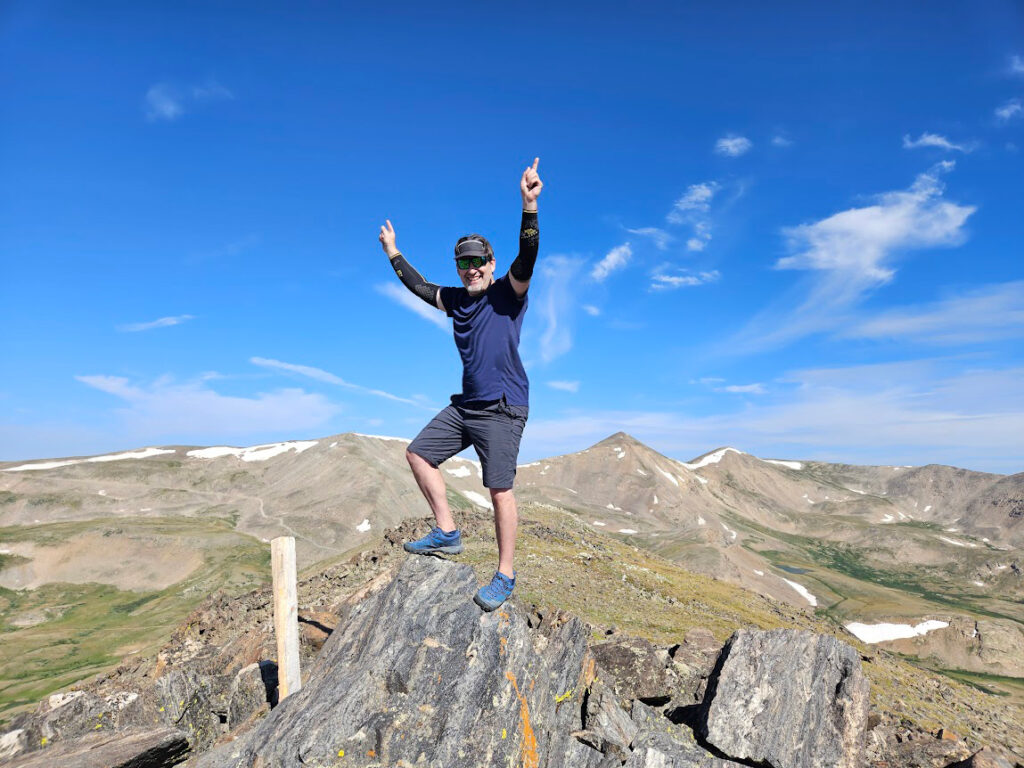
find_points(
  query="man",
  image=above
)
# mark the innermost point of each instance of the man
(492, 408)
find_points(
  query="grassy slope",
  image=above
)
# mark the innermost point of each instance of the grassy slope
(85, 629)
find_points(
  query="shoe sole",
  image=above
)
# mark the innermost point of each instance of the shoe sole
(439, 551)
(487, 607)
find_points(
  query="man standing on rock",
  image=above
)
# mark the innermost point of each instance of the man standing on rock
(492, 408)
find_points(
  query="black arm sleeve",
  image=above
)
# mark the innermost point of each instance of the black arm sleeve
(522, 267)
(413, 280)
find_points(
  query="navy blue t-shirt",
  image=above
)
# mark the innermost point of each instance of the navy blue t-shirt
(487, 330)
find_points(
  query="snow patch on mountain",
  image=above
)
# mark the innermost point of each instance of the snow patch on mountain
(253, 452)
(142, 453)
(880, 633)
(803, 592)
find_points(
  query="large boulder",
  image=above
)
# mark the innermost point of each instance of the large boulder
(130, 748)
(788, 698)
(418, 673)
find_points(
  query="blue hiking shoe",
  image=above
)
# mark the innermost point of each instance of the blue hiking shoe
(495, 593)
(437, 542)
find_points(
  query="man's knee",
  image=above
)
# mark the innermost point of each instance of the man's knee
(415, 460)
(501, 494)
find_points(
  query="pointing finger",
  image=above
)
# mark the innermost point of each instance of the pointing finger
(535, 161)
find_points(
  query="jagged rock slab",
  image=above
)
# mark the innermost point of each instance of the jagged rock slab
(788, 698)
(659, 743)
(418, 674)
(160, 748)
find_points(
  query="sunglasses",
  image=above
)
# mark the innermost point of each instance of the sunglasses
(471, 261)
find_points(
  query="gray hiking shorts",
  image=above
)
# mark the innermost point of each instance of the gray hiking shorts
(494, 428)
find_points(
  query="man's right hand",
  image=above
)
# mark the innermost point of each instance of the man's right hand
(387, 238)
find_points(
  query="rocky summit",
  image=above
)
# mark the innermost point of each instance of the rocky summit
(419, 676)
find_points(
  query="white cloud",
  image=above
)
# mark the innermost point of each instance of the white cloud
(851, 253)
(162, 103)
(660, 237)
(565, 386)
(1009, 110)
(211, 90)
(661, 281)
(163, 322)
(744, 389)
(166, 101)
(697, 198)
(693, 208)
(781, 141)
(165, 411)
(1016, 65)
(413, 303)
(859, 242)
(733, 146)
(614, 260)
(318, 374)
(985, 314)
(917, 412)
(555, 303)
(934, 140)
(591, 310)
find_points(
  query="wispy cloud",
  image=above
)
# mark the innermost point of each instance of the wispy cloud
(413, 303)
(166, 411)
(853, 252)
(696, 199)
(163, 322)
(555, 303)
(986, 314)
(733, 146)
(1011, 109)
(591, 310)
(1016, 65)
(661, 280)
(934, 140)
(614, 260)
(693, 208)
(859, 242)
(318, 374)
(915, 412)
(565, 386)
(660, 237)
(744, 389)
(781, 141)
(167, 101)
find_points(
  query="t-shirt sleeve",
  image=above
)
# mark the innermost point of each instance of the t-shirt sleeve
(450, 298)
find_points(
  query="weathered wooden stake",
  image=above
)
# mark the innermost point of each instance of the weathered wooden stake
(286, 616)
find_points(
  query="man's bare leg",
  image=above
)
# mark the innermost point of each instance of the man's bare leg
(431, 483)
(506, 521)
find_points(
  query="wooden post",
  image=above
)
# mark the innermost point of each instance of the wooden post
(286, 616)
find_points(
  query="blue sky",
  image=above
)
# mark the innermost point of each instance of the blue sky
(795, 230)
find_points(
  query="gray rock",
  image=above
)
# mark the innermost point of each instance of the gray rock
(636, 666)
(248, 696)
(660, 743)
(984, 758)
(130, 748)
(789, 698)
(418, 674)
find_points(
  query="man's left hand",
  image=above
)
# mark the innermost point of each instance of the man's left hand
(530, 186)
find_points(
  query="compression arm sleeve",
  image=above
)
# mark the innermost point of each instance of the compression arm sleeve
(413, 280)
(522, 267)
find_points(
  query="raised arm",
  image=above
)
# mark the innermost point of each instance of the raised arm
(411, 279)
(521, 270)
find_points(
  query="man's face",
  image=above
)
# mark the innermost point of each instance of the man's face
(477, 279)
